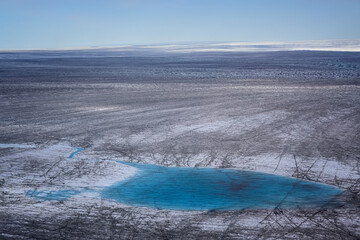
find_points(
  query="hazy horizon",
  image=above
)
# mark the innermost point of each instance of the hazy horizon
(348, 45)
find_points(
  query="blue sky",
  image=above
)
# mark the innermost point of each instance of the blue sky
(81, 23)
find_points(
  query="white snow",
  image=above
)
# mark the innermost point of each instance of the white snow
(16, 145)
(114, 172)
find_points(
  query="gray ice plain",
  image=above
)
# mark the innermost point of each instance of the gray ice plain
(68, 117)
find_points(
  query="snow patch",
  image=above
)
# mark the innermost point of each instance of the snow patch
(16, 145)
(114, 172)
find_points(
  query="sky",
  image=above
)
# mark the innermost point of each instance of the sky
(29, 24)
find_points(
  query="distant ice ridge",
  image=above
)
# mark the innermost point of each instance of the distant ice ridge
(347, 45)
(315, 45)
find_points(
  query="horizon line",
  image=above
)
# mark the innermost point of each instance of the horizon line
(343, 45)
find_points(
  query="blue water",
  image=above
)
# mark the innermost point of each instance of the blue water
(217, 189)
(58, 195)
(78, 149)
(48, 195)
(207, 189)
